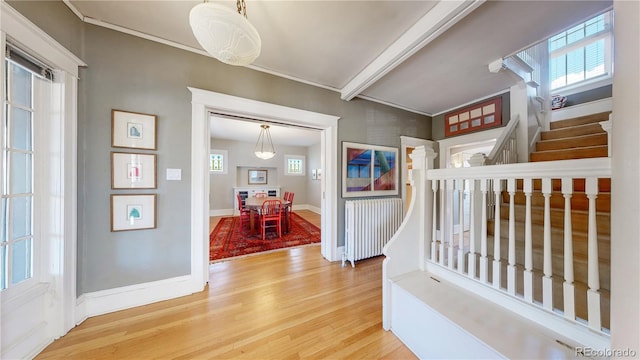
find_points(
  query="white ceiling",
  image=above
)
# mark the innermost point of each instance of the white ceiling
(423, 56)
(248, 131)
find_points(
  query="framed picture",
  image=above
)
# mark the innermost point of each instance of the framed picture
(133, 130)
(133, 171)
(369, 170)
(257, 177)
(314, 174)
(133, 212)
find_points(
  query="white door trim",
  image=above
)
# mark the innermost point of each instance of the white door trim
(203, 102)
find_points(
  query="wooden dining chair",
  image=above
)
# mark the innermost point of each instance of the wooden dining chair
(271, 216)
(245, 213)
(288, 196)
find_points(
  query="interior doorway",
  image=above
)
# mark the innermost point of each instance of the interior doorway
(204, 102)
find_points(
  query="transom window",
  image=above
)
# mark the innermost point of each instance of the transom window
(17, 234)
(582, 53)
(295, 164)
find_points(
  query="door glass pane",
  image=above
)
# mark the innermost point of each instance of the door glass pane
(20, 91)
(21, 261)
(20, 173)
(3, 230)
(21, 129)
(3, 275)
(21, 219)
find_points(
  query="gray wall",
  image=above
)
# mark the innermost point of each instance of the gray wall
(129, 73)
(313, 186)
(241, 159)
(602, 92)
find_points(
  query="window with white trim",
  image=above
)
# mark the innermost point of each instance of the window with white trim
(294, 165)
(581, 54)
(218, 161)
(17, 240)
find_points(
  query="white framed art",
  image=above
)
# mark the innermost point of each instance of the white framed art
(133, 130)
(133, 212)
(133, 171)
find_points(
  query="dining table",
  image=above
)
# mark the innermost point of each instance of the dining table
(254, 204)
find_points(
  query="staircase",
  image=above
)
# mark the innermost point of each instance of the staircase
(576, 138)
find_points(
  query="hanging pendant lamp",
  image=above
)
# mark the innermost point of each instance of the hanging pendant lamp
(225, 34)
(264, 146)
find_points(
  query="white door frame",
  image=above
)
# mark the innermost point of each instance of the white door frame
(203, 102)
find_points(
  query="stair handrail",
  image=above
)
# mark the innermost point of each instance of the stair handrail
(505, 151)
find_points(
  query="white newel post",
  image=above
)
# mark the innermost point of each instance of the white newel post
(497, 263)
(528, 242)
(547, 281)
(511, 268)
(568, 286)
(406, 251)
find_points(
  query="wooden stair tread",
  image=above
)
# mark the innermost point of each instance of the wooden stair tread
(578, 130)
(574, 153)
(573, 142)
(580, 120)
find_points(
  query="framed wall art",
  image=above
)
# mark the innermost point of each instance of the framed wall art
(257, 177)
(133, 171)
(480, 116)
(133, 130)
(369, 170)
(133, 212)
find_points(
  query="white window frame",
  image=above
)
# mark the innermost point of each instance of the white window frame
(225, 162)
(596, 81)
(287, 158)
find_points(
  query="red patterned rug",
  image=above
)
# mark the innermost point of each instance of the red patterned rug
(228, 240)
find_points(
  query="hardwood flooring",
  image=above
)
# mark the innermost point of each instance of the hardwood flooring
(290, 304)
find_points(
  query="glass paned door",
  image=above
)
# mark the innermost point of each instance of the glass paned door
(17, 238)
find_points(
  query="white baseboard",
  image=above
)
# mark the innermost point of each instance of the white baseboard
(592, 107)
(316, 210)
(106, 301)
(221, 212)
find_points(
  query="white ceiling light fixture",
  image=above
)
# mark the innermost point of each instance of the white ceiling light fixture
(226, 35)
(264, 146)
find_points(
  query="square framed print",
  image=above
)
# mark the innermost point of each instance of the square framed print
(369, 170)
(133, 130)
(133, 171)
(257, 177)
(133, 212)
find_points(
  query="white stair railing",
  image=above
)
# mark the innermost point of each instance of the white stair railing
(415, 247)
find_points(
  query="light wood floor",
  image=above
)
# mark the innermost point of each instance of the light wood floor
(289, 304)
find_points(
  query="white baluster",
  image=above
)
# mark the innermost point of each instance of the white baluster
(593, 294)
(567, 286)
(528, 243)
(449, 215)
(484, 264)
(472, 229)
(443, 187)
(497, 266)
(511, 268)
(460, 186)
(547, 281)
(434, 215)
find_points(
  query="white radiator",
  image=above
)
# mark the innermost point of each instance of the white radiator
(369, 225)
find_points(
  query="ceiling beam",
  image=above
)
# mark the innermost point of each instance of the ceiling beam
(440, 18)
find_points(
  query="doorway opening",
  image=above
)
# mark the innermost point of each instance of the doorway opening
(205, 102)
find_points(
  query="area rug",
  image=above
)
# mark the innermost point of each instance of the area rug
(227, 240)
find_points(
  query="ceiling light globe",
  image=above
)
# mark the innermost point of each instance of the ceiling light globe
(265, 155)
(225, 34)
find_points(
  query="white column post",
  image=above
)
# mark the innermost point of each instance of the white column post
(497, 264)
(528, 243)
(511, 268)
(547, 281)
(460, 187)
(593, 294)
(568, 286)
